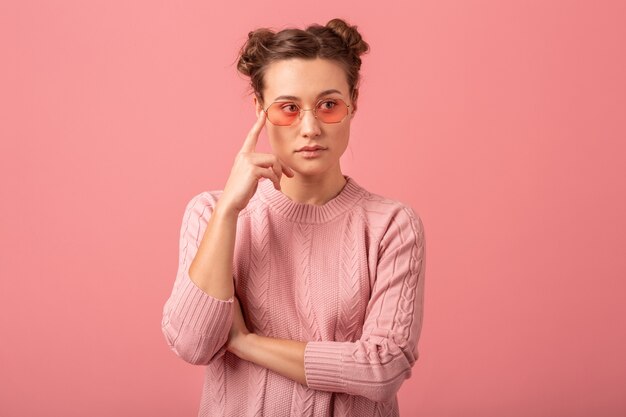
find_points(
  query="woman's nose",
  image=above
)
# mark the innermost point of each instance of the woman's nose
(309, 125)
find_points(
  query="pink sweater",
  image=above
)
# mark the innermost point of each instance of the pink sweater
(347, 277)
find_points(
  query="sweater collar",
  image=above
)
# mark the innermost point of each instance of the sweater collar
(310, 213)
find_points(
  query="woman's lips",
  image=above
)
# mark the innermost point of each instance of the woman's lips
(311, 154)
(310, 148)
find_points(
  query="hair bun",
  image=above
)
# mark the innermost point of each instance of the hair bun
(255, 48)
(350, 35)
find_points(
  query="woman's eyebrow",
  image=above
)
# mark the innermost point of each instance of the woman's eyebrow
(323, 93)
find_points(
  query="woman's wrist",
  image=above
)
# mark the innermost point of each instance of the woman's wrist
(225, 210)
(239, 344)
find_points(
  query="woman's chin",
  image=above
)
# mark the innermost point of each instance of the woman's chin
(310, 170)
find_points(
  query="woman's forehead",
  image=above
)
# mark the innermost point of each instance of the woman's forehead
(300, 79)
(324, 93)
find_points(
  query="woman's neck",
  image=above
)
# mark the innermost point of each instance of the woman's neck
(312, 190)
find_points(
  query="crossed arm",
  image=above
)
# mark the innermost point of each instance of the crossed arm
(283, 356)
(200, 328)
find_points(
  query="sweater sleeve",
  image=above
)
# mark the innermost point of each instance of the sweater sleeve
(195, 324)
(376, 365)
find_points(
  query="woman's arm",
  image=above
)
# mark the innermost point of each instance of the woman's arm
(212, 267)
(198, 314)
(375, 365)
(282, 356)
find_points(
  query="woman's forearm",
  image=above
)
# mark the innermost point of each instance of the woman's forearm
(282, 356)
(212, 267)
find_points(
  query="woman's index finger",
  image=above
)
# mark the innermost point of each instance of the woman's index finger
(249, 144)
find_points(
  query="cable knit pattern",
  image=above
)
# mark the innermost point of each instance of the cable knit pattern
(302, 401)
(302, 239)
(347, 277)
(259, 322)
(218, 387)
(350, 315)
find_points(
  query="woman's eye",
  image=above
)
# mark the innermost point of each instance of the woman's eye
(328, 104)
(289, 108)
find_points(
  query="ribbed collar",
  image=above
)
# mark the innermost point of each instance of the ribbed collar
(310, 213)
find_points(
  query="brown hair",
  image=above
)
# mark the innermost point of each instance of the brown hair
(337, 41)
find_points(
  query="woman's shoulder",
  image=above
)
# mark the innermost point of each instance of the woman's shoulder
(204, 198)
(203, 203)
(393, 221)
(380, 209)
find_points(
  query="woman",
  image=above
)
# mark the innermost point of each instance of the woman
(300, 291)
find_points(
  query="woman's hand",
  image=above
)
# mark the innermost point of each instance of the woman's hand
(248, 168)
(238, 331)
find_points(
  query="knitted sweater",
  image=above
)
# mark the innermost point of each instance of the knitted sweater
(347, 277)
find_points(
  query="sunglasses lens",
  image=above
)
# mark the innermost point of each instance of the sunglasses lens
(282, 113)
(332, 110)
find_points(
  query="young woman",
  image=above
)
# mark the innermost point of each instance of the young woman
(300, 291)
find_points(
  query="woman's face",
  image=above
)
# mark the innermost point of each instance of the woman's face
(306, 82)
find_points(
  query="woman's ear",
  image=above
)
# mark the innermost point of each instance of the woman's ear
(257, 106)
(355, 96)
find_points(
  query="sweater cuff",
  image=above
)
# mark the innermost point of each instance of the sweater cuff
(323, 366)
(200, 311)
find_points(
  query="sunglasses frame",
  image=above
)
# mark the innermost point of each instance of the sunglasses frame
(314, 109)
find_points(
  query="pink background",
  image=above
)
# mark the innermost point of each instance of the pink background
(500, 123)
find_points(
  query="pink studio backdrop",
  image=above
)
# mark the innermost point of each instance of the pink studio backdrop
(500, 123)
